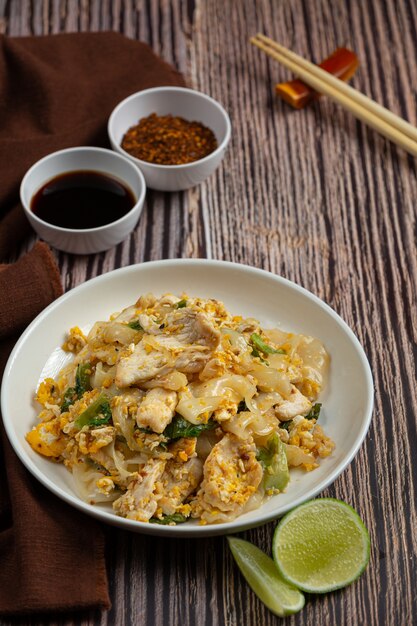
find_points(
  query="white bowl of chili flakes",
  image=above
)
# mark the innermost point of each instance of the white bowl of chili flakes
(167, 127)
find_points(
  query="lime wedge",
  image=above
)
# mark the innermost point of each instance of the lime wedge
(321, 545)
(262, 575)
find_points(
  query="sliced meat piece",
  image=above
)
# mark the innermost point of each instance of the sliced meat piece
(179, 480)
(297, 404)
(156, 409)
(185, 344)
(231, 476)
(140, 365)
(193, 327)
(173, 380)
(192, 360)
(140, 500)
(190, 337)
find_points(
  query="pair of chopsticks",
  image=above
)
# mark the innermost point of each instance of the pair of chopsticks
(374, 115)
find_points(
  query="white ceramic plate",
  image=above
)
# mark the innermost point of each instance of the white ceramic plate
(276, 302)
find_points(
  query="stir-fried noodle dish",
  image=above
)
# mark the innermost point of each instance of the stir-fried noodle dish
(176, 409)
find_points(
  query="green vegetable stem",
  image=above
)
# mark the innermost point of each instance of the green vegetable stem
(82, 379)
(97, 414)
(135, 325)
(70, 396)
(314, 412)
(178, 518)
(82, 384)
(260, 346)
(242, 406)
(180, 427)
(274, 461)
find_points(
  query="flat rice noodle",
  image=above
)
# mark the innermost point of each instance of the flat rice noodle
(270, 379)
(125, 424)
(85, 478)
(247, 424)
(231, 386)
(191, 407)
(102, 374)
(127, 315)
(296, 456)
(122, 334)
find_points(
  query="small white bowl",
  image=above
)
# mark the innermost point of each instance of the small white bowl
(178, 101)
(87, 240)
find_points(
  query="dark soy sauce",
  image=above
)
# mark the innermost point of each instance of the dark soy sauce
(82, 200)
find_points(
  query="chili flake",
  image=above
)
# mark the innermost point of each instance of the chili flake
(168, 140)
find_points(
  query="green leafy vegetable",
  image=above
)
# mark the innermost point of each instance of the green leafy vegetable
(180, 427)
(70, 396)
(82, 384)
(274, 462)
(286, 425)
(260, 346)
(264, 457)
(178, 518)
(314, 412)
(135, 325)
(82, 379)
(97, 414)
(256, 354)
(181, 304)
(99, 421)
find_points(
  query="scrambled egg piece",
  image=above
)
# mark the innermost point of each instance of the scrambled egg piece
(307, 437)
(47, 392)
(47, 438)
(157, 409)
(75, 341)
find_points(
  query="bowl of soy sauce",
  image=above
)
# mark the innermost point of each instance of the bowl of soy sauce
(83, 200)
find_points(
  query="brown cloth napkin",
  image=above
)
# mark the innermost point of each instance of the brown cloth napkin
(57, 91)
(51, 556)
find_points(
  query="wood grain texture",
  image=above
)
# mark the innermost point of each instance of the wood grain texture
(311, 195)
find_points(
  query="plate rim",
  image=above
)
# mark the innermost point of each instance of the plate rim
(197, 530)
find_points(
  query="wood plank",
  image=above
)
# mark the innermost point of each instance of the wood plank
(313, 196)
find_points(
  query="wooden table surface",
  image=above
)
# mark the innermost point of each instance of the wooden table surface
(313, 196)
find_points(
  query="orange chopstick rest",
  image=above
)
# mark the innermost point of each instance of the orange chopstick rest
(342, 63)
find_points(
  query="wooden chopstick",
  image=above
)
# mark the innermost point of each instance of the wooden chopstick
(344, 88)
(384, 121)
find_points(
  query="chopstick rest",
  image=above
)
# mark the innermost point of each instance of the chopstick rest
(388, 124)
(342, 63)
